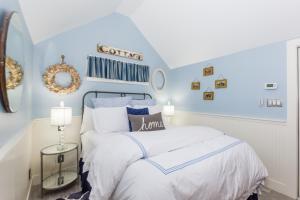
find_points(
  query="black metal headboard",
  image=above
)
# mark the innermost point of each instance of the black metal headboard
(122, 94)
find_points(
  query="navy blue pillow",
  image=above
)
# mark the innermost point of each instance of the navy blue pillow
(139, 111)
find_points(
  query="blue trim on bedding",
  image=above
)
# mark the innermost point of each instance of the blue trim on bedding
(140, 145)
(194, 161)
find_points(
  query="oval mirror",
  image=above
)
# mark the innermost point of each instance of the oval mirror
(11, 62)
(158, 80)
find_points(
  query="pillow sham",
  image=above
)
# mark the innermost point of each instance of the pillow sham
(155, 109)
(87, 123)
(141, 123)
(139, 111)
(111, 102)
(152, 109)
(144, 102)
(110, 119)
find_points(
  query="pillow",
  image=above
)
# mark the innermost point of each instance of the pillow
(87, 123)
(155, 109)
(111, 102)
(146, 122)
(146, 102)
(133, 111)
(152, 109)
(110, 119)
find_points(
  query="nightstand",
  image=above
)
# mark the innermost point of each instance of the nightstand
(62, 177)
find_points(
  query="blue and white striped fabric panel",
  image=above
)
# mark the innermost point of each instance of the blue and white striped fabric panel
(117, 70)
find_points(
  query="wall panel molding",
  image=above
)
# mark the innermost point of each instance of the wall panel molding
(15, 161)
(270, 139)
(238, 117)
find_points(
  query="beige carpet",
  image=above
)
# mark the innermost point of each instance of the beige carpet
(36, 194)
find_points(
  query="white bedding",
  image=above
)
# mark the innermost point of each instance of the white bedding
(190, 162)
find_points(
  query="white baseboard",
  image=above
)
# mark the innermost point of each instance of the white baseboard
(29, 190)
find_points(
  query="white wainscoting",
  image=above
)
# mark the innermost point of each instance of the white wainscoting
(270, 139)
(15, 157)
(43, 134)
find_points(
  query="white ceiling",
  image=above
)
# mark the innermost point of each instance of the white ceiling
(181, 31)
(46, 18)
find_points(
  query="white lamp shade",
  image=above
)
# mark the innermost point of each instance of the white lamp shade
(61, 116)
(169, 110)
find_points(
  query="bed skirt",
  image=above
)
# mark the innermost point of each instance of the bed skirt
(85, 186)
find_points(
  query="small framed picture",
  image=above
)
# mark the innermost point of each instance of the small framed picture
(222, 83)
(208, 96)
(195, 85)
(208, 71)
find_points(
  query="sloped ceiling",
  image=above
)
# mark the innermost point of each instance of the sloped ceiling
(46, 18)
(181, 31)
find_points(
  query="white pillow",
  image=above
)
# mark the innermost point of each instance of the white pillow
(111, 102)
(87, 120)
(143, 102)
(152, 109)
(155, 109)
(110, 119)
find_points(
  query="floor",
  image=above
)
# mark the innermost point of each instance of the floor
(36, 194)
(53, 195)
(272, 195)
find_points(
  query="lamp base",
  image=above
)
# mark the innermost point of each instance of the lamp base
(61, 145)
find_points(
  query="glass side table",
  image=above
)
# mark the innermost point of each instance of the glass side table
(63, 177)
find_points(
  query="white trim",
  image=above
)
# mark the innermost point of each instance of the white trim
(29, 190)
(115, 81)
(10, 144)
(292, 98)
(282, 121)
(235, 117)
(43, 118)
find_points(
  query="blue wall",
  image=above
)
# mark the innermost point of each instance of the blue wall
(246, 71)
(115, 30)
(10, 124)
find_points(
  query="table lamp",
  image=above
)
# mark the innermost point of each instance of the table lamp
(169, 111)
(60, 117)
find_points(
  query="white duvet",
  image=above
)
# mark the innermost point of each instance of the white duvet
(178, 163)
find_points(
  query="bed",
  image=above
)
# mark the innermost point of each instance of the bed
(188, 162)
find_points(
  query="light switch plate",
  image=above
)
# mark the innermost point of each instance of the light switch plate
(274, 103)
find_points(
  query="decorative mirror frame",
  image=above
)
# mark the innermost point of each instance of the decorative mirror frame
(155, 72)
(3, 39)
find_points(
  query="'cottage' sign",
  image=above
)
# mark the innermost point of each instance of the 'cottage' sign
(119, 52)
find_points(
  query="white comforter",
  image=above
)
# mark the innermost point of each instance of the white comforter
(178, 163)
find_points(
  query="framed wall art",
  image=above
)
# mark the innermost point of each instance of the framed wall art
(195, 85)
(208, 71)
(208, 96)
(221, 83)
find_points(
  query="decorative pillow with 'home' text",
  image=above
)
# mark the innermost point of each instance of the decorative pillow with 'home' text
(142, 123)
